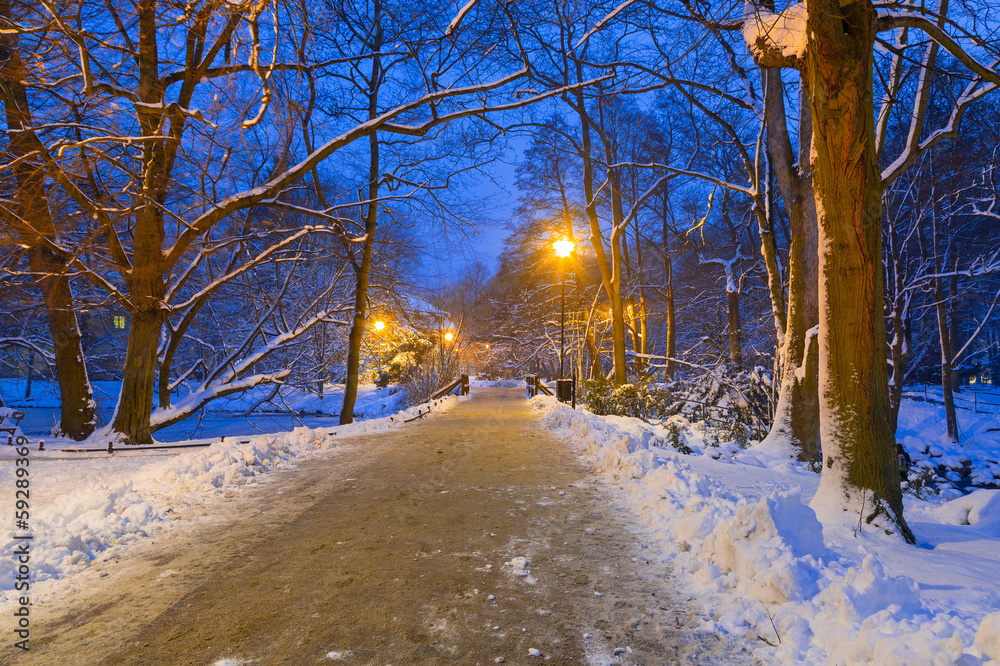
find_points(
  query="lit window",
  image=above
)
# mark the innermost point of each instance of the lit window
(119, 321)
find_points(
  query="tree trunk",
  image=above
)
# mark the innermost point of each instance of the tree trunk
(49, 266)
(610, 270)
(77, 406)
(27, 374)
(145, 278)
(860, 470)
(135, 403)
(953, 314)
(363, 270)
(733, 313)
(900, 345)
(668, 287)
(944, 337)
(796, 414)
(899, 350)
(615, 291)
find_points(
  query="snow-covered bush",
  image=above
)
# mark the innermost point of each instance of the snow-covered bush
(642, 400)
(739, 402)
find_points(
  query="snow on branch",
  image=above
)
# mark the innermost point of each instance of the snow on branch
(226, 379)
(604, 21)
(46, 356)
(457, 21)
(775, 39)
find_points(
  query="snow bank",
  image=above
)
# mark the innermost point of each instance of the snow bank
(756, 552)
(93, 504)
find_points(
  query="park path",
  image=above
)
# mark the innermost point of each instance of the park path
(392, 550)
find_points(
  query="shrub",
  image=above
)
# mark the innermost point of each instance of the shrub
(675, 438)
(636, 400)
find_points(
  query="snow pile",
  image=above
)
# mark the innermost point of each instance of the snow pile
(70, 532)
(96, 503)
(231, 463)
(756, 552)
(980, 508)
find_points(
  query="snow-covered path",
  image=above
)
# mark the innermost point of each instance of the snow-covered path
(467, 538)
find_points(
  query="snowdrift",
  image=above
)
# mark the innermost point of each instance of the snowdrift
(763, 562)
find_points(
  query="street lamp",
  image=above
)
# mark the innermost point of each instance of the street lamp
(563, 249)
(449, 336)
(379, 325)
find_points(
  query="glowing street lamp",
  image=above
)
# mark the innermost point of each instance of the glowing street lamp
(379, 325)
(563, 248)
(449, 336)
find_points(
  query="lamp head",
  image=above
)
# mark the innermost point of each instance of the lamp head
(379, 325)
(563, 247)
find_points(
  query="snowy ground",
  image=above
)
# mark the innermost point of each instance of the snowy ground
(87, 504)
(739, 523)
(940, 466)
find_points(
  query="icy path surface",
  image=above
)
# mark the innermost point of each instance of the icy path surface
(475, 537)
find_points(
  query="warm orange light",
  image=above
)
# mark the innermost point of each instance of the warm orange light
(379, 325)
(487, 346)
(563, 247)
(449, 336)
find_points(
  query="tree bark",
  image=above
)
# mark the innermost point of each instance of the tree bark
(944, 337)
(668, 286)
(796, 414)
(50, 266)
(860, 473)
(135, 404)
(735, 332)
(145, 279)
(363, 270)
(611, 270)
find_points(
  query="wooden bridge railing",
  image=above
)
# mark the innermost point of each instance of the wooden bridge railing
(462, 383)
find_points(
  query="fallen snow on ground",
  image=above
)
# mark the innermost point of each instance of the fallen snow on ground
(497, 383)
(738, 523)
(946, 467)
(83, 505)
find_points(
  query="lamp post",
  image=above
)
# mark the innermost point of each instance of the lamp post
(563, 249)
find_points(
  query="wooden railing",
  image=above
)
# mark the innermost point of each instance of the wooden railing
(535, 386)
(462, 383)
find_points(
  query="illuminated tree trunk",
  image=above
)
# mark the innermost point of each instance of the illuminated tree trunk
(796, 415)
(49, 266)
(860, 473)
